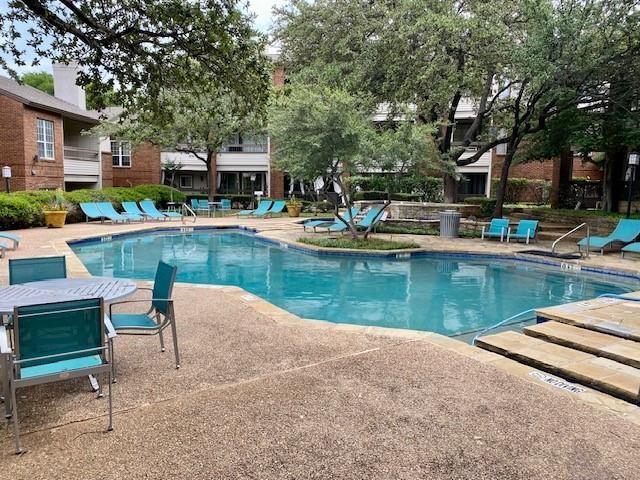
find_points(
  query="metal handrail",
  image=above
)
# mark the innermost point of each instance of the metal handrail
(186, 211)
(585, 224)
(501, 323)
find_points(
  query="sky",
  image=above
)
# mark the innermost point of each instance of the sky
(260, 8)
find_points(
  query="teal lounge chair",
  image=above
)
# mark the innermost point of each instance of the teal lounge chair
(107, 209)
(631, 248)
(372, 216)
(35, 269)
(3, 249)
(91, 211)
(353, 213)
(225, 205)
(54, 342)
(263, 207)
(498, 228)
(625, 232)
(132, 208)
(276, 208)
(13, 237)
(526, 231)
(159, 316)
(150, 209)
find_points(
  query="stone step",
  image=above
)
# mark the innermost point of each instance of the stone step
(602, 374)
(596, 343)
(620, 318)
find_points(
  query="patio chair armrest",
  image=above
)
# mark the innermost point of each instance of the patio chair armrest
(4, 341)
(111, 332)
(508, 233)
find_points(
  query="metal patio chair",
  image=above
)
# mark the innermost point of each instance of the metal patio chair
(23, 270)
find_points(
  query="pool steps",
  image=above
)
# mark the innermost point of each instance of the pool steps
(595, 343)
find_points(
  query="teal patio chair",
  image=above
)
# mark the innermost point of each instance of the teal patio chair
(107, 209)
(91, 211)
(625, 232)
(159, 316)
(498, 228)
(200, 206)
(12, 237)
(526, 231)
(225, 206)
(276, 208)
(132, 208)
(263, 207)
(149, 208)
(54, 342)
(23, 270)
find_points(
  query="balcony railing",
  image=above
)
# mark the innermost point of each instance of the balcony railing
(246, 148)
(83, 154)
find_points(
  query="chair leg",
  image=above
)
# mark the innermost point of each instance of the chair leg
(174, 333)
(110, 402)
(161, 341)
(14, 420)
(112, 376)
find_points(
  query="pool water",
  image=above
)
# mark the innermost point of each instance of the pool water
(439, 293)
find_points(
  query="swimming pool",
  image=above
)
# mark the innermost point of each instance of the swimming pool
(436, 292)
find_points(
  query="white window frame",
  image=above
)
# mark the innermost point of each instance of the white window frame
(45, 139)
(120, 150)
(184, 177)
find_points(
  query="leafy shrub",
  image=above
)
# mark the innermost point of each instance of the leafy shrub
(427, 189)
(378, 195)
(24, 209)
(487, 205)
(18, 211)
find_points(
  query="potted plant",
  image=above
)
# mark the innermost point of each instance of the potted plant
(294, 207)
(55, 213)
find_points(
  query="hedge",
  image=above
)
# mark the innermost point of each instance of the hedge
(24, 209)
(487, 205)
(378, 195)
(524, 190)
(426, 189)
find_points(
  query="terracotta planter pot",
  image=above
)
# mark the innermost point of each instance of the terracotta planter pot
(294, 210)
(55, 219)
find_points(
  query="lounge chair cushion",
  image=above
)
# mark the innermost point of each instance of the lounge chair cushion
(124, 321)
(60, 366)
(632, 247)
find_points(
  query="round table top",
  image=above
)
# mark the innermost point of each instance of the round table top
(63, 289)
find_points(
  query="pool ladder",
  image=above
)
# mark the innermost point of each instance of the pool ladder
(188, 212)
(558, 240)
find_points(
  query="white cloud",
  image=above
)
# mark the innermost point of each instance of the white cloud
(264, 15)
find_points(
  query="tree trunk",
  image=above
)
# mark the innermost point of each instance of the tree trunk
(611, 193)
(212, 178)
(450, 188)
(502, 186)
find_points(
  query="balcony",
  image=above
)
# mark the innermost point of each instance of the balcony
(81, 165)
(245, 148)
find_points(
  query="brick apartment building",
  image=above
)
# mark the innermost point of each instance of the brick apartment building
(42, 140)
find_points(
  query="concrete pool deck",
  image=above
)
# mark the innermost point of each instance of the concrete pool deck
(263, 394)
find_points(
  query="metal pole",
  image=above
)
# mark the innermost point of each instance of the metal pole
(7, 185)
(631, 185)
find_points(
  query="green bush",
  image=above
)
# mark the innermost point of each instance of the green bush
(378, 195)
(24, 209)
(487, 205)
(524, 190)
(426, 189)
(17, 211)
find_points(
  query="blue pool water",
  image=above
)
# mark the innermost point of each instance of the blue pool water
(440, 293)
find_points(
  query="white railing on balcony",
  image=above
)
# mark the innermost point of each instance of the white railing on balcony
(74, 153)
(246, 148)
(81, 163)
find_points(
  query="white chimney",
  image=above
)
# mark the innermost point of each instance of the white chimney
(64, 84)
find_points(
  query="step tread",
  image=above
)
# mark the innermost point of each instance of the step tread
(590, 341)
(615, 317)
(600, 373)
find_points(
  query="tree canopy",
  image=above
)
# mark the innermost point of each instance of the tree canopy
(40, 80)
(139, 47)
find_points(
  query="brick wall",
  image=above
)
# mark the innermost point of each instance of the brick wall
(536, 170)
(145, 168)
(277, 77)
(48, 173)
(107, 170)
(276, 184)
(12, 140)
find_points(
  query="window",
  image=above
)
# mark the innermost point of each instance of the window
(186, 181)
(472, 184)
(45, 139)
(460, 130)
(121, 153)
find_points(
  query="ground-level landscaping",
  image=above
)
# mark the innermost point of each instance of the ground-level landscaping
(370, 243)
